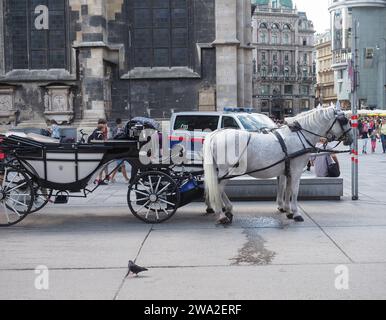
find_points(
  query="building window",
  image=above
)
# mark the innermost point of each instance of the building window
(286, 38)
(304, 41)
(305, 105)
(305, 90)
(286, 72)
(288, 89)
(160, 33)
(265, 106)
(36, 34)
(263, 37)
(274, 58)
(288, 107)
(275, 72)
(286, 58)
(305, 58)
(264, 89)
(264, 72)
(275, 38)
(263, 57)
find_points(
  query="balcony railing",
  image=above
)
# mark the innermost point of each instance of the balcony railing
(341, 57)
(276, 10)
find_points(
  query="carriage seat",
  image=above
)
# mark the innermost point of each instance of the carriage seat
(42, 139)
(33, 136)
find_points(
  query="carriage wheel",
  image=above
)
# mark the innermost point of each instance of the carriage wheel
(42, 197)
(153, 197)
(16, 196)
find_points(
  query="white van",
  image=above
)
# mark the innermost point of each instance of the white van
(190, 128)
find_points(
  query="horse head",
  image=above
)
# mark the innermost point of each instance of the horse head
(340, 129)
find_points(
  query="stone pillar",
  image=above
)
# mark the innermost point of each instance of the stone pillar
(92, 83)
(226, 53)
(248, 54)
(91, 43)
(233, 53)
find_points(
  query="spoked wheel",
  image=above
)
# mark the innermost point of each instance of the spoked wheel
(153, 197)
(42, 197)
(16, 196)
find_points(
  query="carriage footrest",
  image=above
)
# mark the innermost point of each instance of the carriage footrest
(61, 199)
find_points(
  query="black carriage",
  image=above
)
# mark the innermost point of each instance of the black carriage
(38, 170)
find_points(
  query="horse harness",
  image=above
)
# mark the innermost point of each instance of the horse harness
(295, 127)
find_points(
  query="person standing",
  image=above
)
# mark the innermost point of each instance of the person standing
(100, 134)
(121, 165)
(382, 132)
(374, 138)
(365, 136)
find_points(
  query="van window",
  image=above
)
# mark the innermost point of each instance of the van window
(196, 123)
(229, 123)
(256, 122)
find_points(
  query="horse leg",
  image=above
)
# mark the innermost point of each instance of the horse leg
(209, 209)
(287, 196)
(281, 184)
(228, 207)
(225, 215)
(295, 186)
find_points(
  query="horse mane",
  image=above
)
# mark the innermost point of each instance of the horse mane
(311, 119)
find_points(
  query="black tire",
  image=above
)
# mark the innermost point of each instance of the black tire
(16, 196)
(153, 197)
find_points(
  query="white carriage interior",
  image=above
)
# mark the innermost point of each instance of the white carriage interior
(61, 167)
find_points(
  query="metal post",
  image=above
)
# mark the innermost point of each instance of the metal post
(354, 120)
(384, 76)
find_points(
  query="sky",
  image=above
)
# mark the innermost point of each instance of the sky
(317, 11)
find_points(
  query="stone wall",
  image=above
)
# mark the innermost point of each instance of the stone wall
(98, 72)
(101, 77)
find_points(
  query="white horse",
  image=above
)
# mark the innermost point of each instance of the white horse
(263, 156)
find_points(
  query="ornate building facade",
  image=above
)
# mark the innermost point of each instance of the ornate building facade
(76, 61)
(325, 86)
(284, 70)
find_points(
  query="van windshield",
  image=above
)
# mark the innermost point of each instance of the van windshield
(252, 122)
(196, 123)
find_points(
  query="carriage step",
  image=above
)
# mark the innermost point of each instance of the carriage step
(61, 200)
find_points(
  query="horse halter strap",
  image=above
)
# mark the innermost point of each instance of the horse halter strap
(296, 127)
(285, 150)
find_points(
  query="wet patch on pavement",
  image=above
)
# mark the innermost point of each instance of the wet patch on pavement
(253, 252)
(280, 221)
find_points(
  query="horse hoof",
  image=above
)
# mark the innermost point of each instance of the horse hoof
(299, 219)
(290, 216)
(281, 210)
(224, 221)
(229, 216)
(209, 211)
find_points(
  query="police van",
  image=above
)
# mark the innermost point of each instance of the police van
(191, 128)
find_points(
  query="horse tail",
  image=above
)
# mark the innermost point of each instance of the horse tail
(212, 190)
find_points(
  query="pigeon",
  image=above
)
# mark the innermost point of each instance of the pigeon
(135, 268)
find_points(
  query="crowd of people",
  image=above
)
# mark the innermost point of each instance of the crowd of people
(373, 130)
